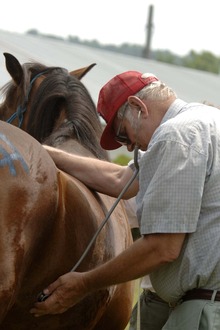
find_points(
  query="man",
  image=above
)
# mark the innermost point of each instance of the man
(178, 201)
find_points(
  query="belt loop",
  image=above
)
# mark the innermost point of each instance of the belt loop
(172, 304)
(213, 295)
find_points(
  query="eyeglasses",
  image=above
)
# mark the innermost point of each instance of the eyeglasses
(120, 138)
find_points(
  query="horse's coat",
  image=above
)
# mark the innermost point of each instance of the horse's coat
(47, 218)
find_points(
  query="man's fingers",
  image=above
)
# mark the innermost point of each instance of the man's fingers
(50, 306)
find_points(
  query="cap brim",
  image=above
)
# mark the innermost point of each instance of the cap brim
(107, 140)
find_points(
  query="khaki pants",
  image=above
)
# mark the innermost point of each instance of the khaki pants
(190, 315)
(153, 312)
(195, 314)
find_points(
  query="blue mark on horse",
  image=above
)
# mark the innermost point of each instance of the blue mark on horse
(9, 158)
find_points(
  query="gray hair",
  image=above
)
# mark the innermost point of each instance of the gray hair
(156, 91)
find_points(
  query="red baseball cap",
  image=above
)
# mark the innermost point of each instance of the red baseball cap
(115, 93)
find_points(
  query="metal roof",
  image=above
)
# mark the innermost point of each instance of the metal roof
(190, 85)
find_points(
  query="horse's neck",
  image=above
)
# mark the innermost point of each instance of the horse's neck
(74, 147)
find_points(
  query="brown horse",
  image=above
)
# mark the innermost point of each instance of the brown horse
(47, 218)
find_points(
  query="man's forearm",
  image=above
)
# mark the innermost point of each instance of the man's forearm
(102, 176)
(135, 262)
(143, 257)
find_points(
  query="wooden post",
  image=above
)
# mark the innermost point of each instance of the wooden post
(149, 28)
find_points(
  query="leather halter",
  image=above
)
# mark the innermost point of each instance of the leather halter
(22, 108)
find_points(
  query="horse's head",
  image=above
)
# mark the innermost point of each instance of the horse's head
(25, 79)
(41, 100)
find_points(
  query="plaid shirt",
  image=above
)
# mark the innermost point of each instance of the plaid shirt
(180, 193)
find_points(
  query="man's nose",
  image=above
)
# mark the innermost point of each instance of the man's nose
(130, 147)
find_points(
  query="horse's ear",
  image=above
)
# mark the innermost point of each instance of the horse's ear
(82, 72)
(14, 68)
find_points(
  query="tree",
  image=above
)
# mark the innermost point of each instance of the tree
(204, 61)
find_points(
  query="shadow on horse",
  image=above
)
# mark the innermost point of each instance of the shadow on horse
(47, 217)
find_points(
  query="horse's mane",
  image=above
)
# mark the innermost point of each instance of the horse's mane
(61, 92)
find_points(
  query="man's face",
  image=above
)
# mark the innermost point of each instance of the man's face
(129, 131)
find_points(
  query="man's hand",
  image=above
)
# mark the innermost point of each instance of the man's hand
(64, 293)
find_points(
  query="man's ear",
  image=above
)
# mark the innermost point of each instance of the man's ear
(137, 104)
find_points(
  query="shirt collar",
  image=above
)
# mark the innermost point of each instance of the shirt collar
(176, 107)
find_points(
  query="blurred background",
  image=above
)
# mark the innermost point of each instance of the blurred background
(175, 40)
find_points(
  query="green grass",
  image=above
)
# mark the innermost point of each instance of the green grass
(137, 291)
(122, 160)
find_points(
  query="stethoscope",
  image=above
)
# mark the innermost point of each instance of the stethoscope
(42, 296)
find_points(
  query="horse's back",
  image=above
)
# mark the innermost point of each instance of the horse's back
(27, 172)
(28, 197)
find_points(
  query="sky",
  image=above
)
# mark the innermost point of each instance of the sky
(178, 25)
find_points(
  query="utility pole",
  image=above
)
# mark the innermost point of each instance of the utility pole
(149, 28)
